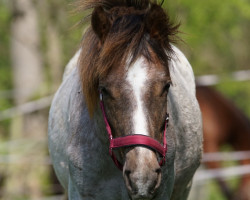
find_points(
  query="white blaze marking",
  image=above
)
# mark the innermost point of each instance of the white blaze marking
(137, 76)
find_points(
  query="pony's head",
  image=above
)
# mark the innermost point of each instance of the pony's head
(125, 55)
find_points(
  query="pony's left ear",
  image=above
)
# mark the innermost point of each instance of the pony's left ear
(100, 23)
(159, 26)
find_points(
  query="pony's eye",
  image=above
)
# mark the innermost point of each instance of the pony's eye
(165, 88)
(106, 92)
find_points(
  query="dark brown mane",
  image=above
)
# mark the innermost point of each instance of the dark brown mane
(122, 28)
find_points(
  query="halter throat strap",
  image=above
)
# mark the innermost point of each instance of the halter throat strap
(134, 140)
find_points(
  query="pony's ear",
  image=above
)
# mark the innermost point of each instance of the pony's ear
(159, 26)
(100, 23)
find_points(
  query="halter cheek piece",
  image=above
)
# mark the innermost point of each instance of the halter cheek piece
(134, 140)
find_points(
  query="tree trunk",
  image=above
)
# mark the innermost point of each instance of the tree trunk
(26, 57)
(26, 176)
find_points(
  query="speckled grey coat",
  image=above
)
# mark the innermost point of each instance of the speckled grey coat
(78, 145)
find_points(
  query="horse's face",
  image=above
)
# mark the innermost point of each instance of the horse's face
(135, 99)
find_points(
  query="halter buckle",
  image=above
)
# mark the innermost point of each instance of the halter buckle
(101, 97)
(167, 117)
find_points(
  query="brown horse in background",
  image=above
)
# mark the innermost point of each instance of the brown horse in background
(224, 123)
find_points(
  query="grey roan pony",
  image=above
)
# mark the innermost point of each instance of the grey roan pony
(126, 58)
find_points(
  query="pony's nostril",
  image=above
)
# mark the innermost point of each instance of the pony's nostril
(158, 171)
(138, 186)
(131, 187)
(127, 173)
(158, 179)
(155, 184)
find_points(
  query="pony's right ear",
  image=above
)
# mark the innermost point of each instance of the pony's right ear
(100, 23)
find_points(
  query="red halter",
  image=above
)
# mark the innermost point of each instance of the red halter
(134, 140)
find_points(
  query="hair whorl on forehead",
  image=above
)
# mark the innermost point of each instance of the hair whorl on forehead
(122, 28)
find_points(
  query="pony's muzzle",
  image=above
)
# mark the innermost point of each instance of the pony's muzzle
(142, 173)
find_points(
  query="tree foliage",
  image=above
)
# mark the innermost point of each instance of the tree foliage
(216, 33)
(5, 67)
(5, 72)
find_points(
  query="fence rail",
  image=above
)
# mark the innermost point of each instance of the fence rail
(224, 173)
(26, 108)
(201, 174)
(226, 156)
(213, 79)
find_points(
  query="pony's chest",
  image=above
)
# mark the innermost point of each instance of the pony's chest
(97, 183)
(93, 177)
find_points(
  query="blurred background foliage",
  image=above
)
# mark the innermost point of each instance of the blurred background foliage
(216, 41)
(217, 33)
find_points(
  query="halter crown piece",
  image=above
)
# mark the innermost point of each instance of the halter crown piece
(134, 140)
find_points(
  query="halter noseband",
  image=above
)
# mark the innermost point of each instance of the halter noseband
(134, 140)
